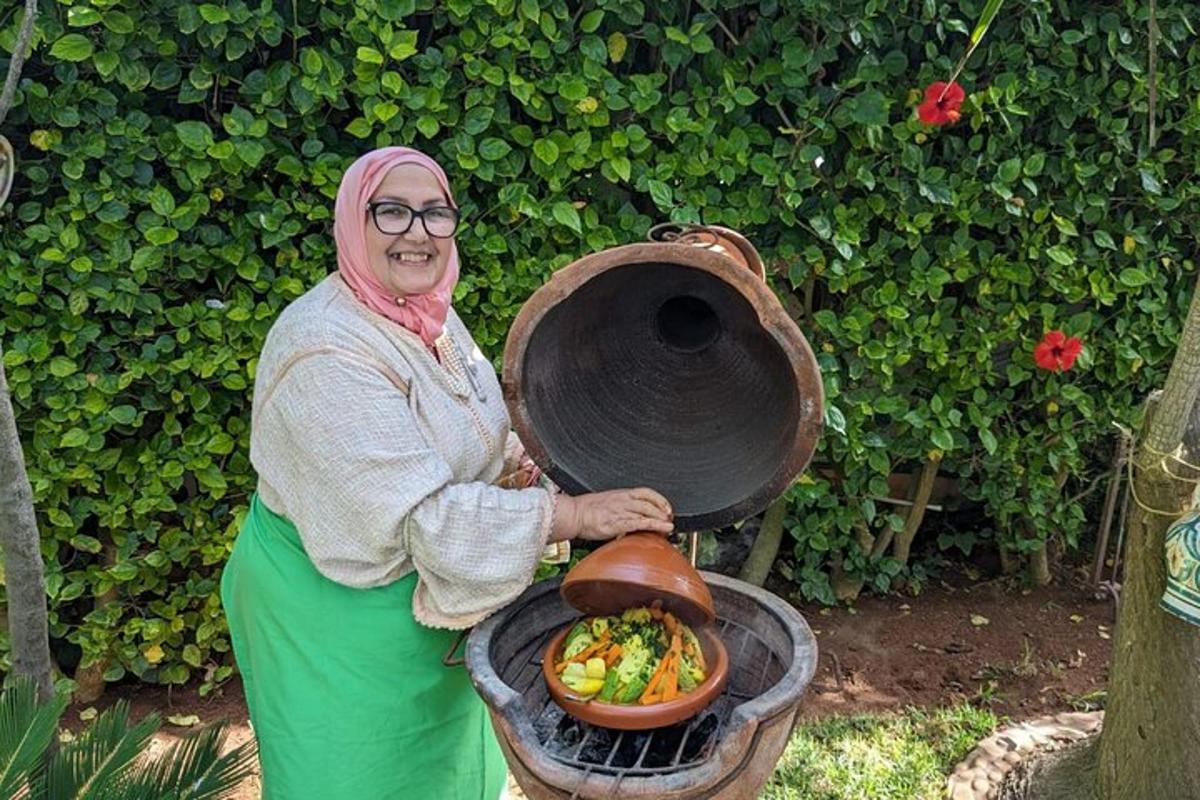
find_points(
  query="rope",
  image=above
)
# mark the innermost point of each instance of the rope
(1163, 459)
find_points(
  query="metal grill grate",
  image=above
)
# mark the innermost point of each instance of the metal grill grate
(754, 668)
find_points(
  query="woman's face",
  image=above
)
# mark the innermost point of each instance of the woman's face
(413, 262)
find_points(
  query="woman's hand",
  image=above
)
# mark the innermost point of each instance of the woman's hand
(605, 515)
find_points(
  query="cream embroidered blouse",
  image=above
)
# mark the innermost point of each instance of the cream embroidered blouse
(385, 459)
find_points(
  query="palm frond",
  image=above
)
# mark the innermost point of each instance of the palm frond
(95, 762)
(26, 731)
(193, 769)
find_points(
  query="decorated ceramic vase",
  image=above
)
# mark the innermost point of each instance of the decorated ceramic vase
(1182, 597)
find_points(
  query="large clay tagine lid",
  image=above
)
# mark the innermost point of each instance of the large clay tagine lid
(636, 570)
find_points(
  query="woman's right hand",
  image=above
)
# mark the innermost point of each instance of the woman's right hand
(606, 515)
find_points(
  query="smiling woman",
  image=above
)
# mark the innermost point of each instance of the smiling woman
(405, 257)
(379, 435)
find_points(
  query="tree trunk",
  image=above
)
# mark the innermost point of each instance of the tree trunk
(89, 680)
(1039, 559)
(1054, 776)
(1039, 566)
(1153, 713)
(766, 545)
(916, 512)
(25, 580)
(1146, 750)
(1010, 562)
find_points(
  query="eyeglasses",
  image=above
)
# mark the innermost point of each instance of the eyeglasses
(393, 219)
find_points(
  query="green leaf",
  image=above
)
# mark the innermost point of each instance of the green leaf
(591, 21)
(310, 61)
(870, 108)
(702, 43)
(75, 437)
(942, 439)
(1133, 277)
(617, 45)
(988, 440)
(194, 135)
(546, 151)
(89, 544)
(429, 126)
(661, 194)
(386, 110)
(106, 63)
(191, 655)
(124, 571)
(622, 167)
(1104, 239)
(574, 89)
(494, 149)
(404, 46)
(72, 47)
(160, 235)
(118, 22)
(1061, 255)
(124, 414)
(1009, 170)
(985, 20)
(61, 367)
(745, 97)
(1150, 181)
(82, 16)
(213, 14)
(359, 128)
(28, 730)
(566, 214)
(369, 55)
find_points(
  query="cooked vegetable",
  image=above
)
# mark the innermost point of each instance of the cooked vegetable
(610, 686)
(642, 657)
(578, 640)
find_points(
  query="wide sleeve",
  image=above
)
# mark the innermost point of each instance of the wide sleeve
(339, 445)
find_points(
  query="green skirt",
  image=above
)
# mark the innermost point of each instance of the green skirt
(346, 690)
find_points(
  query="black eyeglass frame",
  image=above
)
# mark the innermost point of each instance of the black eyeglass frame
(373, 209)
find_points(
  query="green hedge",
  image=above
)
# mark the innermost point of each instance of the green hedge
(179, 161)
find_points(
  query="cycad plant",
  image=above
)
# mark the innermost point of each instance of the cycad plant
(105, 762)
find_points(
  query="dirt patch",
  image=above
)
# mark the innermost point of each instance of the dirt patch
(1039, 650)
(1020, 652)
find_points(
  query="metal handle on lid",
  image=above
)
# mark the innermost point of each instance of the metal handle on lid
(450, 660)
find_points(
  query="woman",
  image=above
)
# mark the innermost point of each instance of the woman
(378, 434)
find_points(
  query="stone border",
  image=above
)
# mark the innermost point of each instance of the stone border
(981, 774)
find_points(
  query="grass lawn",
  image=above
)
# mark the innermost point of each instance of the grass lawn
(904, 756)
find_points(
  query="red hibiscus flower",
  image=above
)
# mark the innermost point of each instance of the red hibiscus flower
(1057, 352)
(942, 102)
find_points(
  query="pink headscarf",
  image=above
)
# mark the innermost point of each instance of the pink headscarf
(423, 314)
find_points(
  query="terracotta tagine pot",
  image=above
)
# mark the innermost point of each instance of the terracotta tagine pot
(631, 572)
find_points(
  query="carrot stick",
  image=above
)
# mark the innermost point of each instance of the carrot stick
(670, 623)
(614, 653)
(671, 682)
(591, 650)
(652, 685)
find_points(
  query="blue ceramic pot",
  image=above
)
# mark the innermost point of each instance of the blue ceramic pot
(1182, 597)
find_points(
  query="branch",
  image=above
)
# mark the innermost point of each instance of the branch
(24, 35)
(783, 115)
(1179, 394)
(1152, 76)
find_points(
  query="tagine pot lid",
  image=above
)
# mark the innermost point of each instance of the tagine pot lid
(637, 570)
